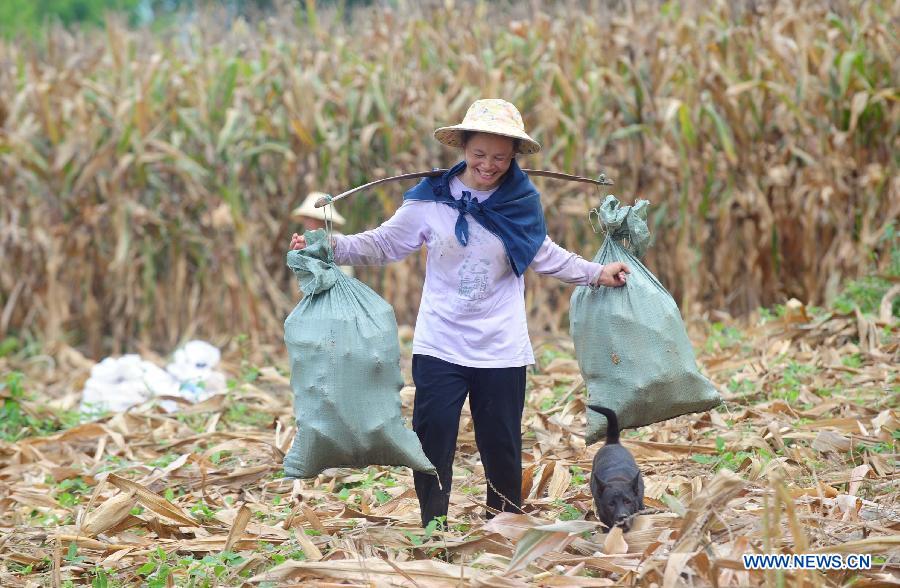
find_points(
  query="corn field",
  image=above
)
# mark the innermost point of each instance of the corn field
(146, 179)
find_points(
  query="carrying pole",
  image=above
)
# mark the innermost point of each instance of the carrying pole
(601, 180)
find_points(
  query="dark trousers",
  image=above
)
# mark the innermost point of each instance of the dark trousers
(496, 398)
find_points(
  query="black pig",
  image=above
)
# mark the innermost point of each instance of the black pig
(616, 481)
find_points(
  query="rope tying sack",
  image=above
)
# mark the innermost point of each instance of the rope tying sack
(626, 225)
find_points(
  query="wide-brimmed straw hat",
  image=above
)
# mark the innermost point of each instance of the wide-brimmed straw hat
(309, 210)
(490, 115)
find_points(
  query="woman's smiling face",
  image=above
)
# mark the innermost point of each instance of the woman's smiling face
(488, 157)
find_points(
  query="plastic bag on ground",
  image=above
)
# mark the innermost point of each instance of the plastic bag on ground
(631, 342)
(345, 372)
(119, 383)
(193, 366)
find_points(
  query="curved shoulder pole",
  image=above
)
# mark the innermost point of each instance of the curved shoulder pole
(602, 180)
(323, 201)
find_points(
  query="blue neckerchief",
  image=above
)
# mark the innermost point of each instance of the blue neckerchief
(513, 213)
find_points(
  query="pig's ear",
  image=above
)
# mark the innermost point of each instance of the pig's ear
(598, 485)
(636, 484)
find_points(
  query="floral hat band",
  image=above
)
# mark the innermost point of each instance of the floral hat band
(491, 115)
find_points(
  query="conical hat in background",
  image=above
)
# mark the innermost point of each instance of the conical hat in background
(309, 210)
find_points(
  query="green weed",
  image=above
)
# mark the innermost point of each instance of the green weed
(866, 294)
(730, 460)
(792, 380)
(578, 477)
(568, 512)
(722, 337)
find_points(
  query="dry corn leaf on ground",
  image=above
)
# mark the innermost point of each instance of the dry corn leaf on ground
(801, 458)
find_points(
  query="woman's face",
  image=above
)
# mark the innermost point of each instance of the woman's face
(487, 159)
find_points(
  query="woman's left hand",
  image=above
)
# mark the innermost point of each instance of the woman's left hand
(613, 274)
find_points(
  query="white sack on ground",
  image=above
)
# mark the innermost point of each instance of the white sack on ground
(193, 366)
(119, 383)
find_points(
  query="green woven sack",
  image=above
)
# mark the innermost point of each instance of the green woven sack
(345, 372)
(631, 343)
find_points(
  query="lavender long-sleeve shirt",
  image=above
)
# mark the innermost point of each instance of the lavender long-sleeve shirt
(473, 305)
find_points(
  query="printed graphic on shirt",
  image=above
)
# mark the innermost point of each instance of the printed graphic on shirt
(473, 277)
(482, 265)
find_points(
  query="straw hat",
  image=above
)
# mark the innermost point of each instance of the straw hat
(309, 210)
(490, 115)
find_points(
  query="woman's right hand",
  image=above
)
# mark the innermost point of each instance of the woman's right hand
(298, 242)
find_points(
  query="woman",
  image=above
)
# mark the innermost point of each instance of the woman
(471, 336)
